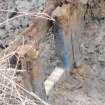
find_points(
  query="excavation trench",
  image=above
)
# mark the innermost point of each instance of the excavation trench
(66, 42)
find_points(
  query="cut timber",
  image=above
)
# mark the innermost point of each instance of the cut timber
(52, 82)
(69, 20)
